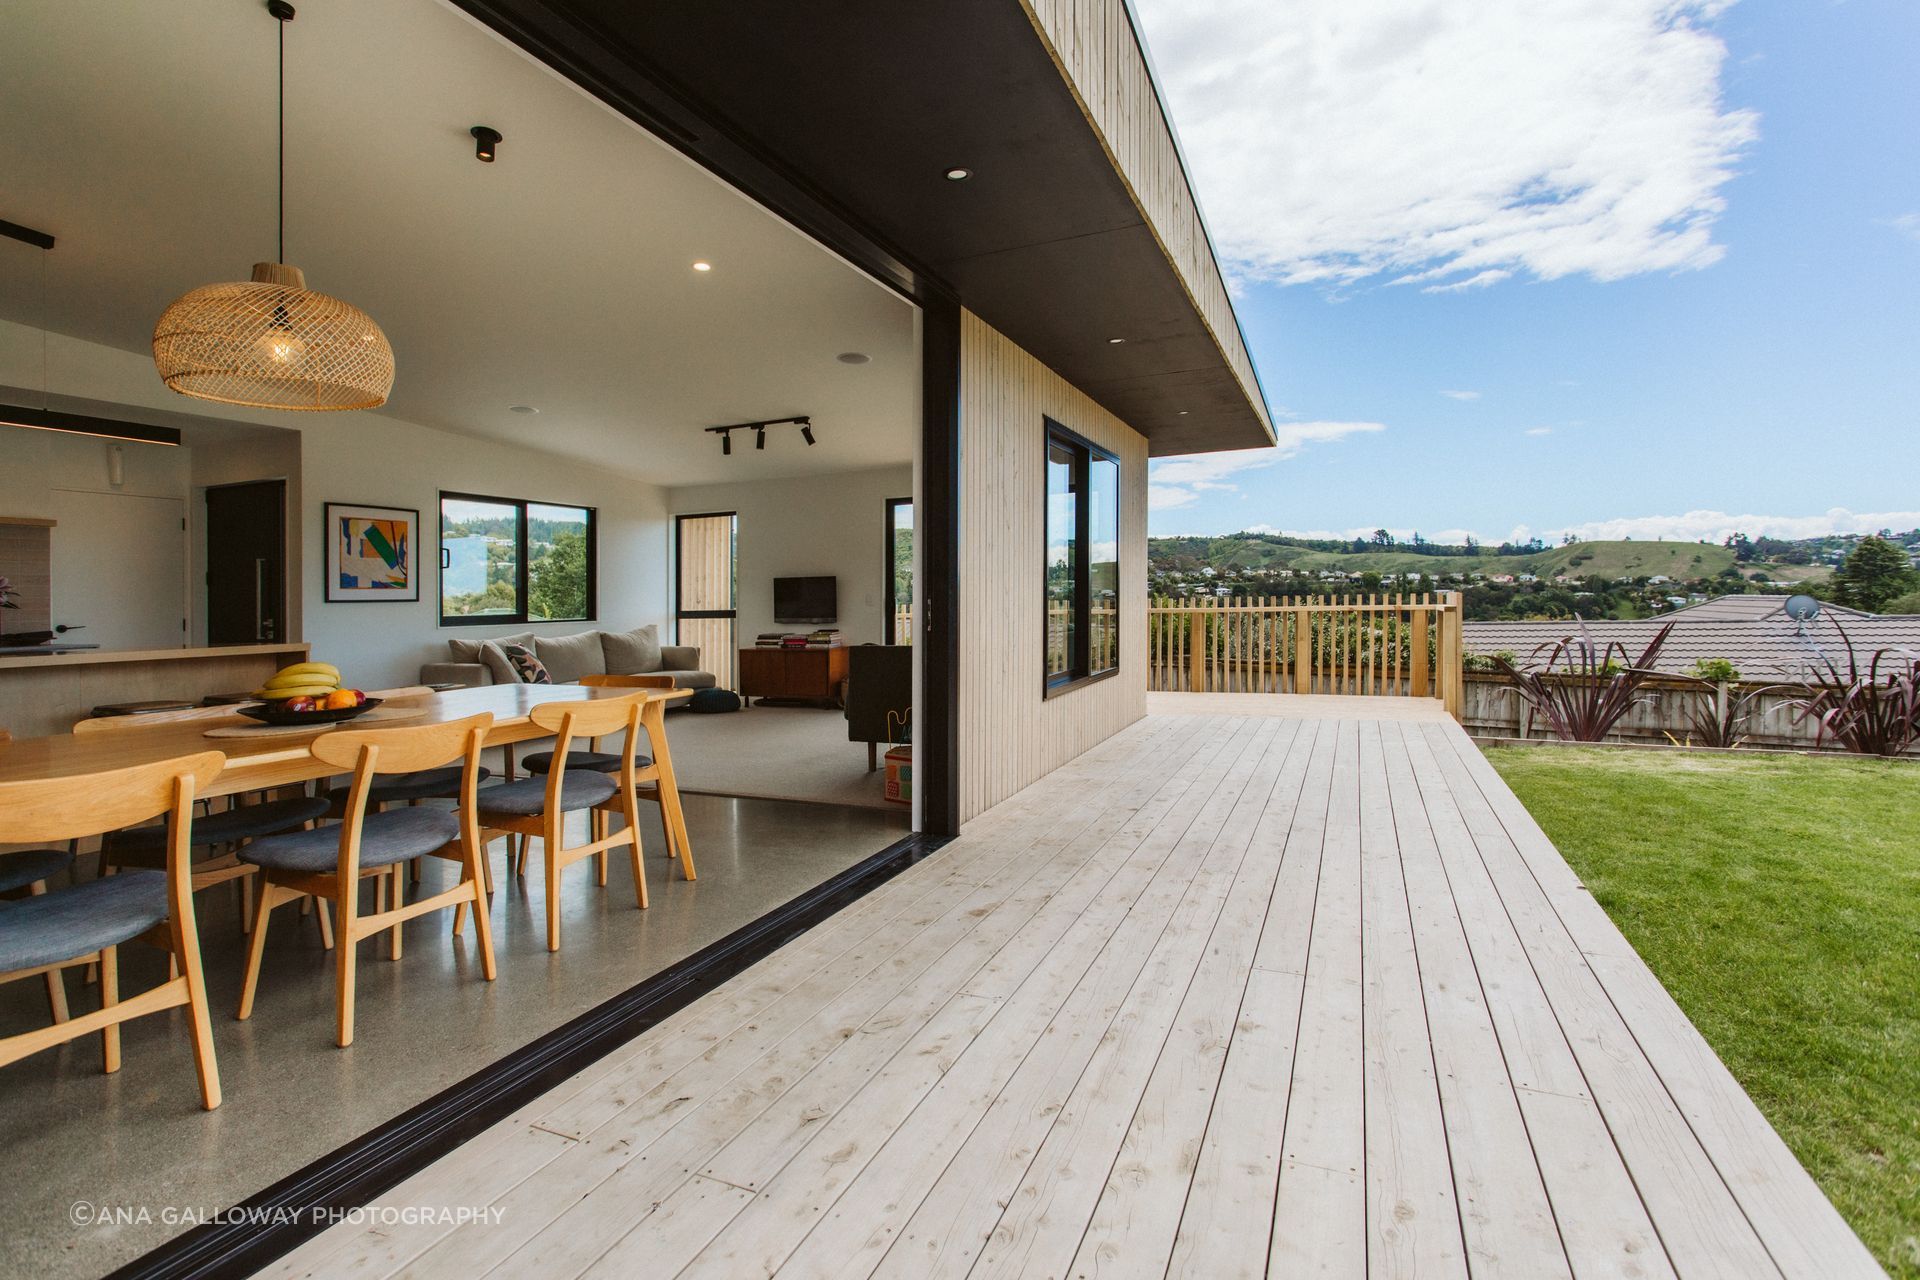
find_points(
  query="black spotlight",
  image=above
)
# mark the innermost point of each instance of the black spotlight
(726, 442)
(759, 437)
(806, 433)
(485, 139)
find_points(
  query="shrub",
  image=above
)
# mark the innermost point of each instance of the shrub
(1598, 686)
(1908, 603)
(1472, 661)
(1866, 711)
(1715, 669)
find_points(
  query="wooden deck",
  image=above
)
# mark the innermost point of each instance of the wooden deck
(1230, 995)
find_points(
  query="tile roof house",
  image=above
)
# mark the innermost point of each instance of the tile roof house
(1752, 632)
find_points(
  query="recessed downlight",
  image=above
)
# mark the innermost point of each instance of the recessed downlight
(959, 174)
(853, 357)
(703, 266)
(522, 408)
(1114, 342)
(1183, 413)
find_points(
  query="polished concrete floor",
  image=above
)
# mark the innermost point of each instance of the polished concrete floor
(137, 1149)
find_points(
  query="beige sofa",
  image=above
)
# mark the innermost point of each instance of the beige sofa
(567, 658)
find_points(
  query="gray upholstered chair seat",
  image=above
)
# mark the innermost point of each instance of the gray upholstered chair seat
(579, 789)
(597, 761)
(245, 822)
(18, 870)
(423, 784)
(396, 835)
(65, 923)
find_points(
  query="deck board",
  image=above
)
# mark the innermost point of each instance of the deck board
(1255, 988)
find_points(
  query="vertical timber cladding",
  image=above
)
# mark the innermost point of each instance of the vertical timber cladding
(1010, 735)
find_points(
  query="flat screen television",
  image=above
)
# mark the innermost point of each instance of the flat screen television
(813, 600)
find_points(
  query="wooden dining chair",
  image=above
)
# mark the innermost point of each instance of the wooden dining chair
(329, 863)
(24, 873)
(87, 922)
(649, 769)
(219, 832)
(538, 806)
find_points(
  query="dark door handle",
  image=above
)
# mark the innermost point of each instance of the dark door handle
(446, 558)
(63, 628)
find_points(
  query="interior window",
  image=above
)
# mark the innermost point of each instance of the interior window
(900, 570)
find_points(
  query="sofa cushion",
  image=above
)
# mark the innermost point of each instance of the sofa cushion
(567, 658)
(632, 653)
(690, 679)
(495, 660)
(469, 650)
(527, 664)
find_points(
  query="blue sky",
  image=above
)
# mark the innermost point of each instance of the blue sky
(1665, 256)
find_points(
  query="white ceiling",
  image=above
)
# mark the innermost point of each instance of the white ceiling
(142, 136)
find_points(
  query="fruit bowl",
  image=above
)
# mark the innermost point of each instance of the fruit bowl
(273, 713)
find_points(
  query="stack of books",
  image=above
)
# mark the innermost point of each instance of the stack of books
(825, 638)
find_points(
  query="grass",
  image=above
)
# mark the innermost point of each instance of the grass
(1612, 560)
(1778, 899)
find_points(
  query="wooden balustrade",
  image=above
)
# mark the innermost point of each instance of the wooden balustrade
(1378, 645)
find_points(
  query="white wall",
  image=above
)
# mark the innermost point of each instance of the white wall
(64, 477)
(366, 458)
(817, 526)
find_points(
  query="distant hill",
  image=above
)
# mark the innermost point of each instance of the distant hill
(1611, 560)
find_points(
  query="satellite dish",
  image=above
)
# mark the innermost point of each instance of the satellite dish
(1801, 608)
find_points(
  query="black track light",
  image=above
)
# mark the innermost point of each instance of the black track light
(485, 139)
(726, 442)
(760, 437)
(806, 433)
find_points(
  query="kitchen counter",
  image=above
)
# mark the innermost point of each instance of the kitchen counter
(73, 655)
(46, 693)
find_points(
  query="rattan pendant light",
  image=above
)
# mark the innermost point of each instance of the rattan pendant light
(270, 342)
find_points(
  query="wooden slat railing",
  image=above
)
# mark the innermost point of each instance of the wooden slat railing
(1377, 645)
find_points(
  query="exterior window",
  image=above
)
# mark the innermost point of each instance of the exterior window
(1082, 560)
(510, 560)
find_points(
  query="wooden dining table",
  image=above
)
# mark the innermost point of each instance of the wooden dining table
(281, 759)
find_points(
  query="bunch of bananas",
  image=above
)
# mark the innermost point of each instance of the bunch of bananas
(301, 680)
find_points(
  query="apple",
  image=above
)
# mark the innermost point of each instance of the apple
(298, 704)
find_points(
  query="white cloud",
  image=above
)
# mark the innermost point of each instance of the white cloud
(1478, 281)
(1539, 431)
(1179, 482)
(1907, 224)
(1461, 395)
(1452, 144)
(1717, 526)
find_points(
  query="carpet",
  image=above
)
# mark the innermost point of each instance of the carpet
(775, 753)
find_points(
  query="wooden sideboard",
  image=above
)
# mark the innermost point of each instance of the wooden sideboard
(813, 675)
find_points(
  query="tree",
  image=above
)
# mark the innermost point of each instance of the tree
(557, 581)
(1741, 546)
(1876, 572)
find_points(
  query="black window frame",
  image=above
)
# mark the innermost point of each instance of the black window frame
(1078, 673)
(890, 532)
(521, 561)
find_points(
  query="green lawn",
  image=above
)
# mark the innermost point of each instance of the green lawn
(1778, 898)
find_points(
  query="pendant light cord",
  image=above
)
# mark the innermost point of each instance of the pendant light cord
(281, 218)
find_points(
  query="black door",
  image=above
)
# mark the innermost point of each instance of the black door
(246, 562)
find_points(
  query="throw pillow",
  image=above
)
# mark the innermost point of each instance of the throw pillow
(469, 650)
(632, 653)
(714, 700)
(525, 665)
(498, 665)
(567, 658)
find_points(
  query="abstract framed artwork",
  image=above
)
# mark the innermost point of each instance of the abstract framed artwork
(373, 553)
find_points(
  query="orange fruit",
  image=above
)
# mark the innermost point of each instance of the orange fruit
(340, 699)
